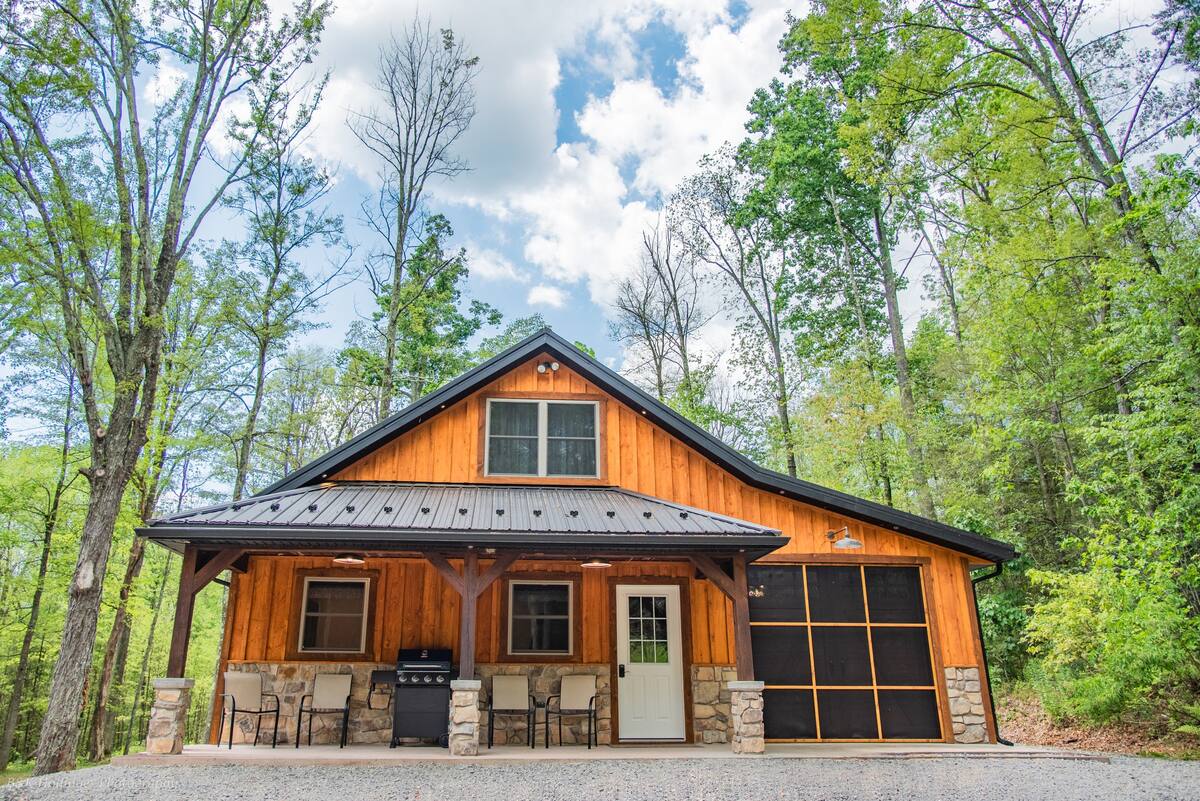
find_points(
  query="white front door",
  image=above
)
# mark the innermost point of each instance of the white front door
(650, 654)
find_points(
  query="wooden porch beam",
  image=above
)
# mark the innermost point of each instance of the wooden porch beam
(194, 575)
(443, 566)
(713, 572)
(469, 585)
(495, 570)
(737, 590)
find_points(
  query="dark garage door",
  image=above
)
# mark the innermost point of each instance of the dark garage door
(844, 652)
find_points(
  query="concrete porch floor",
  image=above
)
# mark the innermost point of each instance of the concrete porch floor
(381, 755)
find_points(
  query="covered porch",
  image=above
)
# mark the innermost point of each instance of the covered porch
(444, 566)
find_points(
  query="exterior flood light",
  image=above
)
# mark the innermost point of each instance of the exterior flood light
(846, 542)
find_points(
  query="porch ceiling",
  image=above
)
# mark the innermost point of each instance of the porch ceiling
(422, 515)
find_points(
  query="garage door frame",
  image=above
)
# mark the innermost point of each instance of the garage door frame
(864, 560)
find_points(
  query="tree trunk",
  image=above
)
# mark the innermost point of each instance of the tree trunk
(60, 728)
(781, 406)
(100, 741)
(903, 380)
(246, 446)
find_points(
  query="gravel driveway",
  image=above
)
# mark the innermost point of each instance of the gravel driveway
(1011, 779)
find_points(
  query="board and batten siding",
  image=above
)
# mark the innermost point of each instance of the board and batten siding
(635, 455)
(639, 456)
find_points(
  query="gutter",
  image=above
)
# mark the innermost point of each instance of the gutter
(987, 673)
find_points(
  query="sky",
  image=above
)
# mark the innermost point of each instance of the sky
(587, 115)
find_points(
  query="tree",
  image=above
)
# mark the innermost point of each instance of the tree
(111, 214)
(709, 212)
(426, 84)
(282, 203)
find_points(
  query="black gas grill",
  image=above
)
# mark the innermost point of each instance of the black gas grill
(420, 694)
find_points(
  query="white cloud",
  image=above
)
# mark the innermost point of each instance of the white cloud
(545, 295)
(491, 265)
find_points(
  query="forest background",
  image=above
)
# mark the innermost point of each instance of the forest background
(1043, 173)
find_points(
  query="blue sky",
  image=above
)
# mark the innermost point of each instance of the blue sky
(587, 115)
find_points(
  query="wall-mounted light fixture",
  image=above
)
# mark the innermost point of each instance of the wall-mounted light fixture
(595, 562)
(846, 542)
(548, 366)
(349, 559)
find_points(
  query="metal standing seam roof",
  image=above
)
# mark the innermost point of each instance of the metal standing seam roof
(400, 507)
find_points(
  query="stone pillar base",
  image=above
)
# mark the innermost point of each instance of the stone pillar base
(964, 691)
(168, 716)
(746, 715)
(464, 717)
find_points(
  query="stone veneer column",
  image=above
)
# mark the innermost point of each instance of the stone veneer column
(464, 717)
(746, 713)
(964, 691)
(168, 716)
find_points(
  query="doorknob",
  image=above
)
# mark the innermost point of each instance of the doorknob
(620, 671)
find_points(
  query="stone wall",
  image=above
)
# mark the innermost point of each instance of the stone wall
(291, 681)
(543, 682)
(964, 691)
(710, 702)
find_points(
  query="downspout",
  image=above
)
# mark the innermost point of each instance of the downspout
(987, 673)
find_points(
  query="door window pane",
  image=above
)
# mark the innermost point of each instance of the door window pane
(648, 629)
(781, 654)
(909, 714)
(789, 714)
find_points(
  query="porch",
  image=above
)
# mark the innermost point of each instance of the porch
(447, 577)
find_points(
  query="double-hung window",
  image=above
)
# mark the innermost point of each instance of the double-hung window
(542, 438)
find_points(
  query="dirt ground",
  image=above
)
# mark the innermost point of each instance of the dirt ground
(1023, 720)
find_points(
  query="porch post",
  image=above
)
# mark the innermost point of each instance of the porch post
(173, 695)
(185, 601)
(466, 625)
(741, 621)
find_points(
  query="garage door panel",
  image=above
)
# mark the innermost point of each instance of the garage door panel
(789, 715)
(909, 714)
(840, 656)
(782, 596)
(835, 594)
(847, 714)
(894, 595)
(902, 657)
(781, 654)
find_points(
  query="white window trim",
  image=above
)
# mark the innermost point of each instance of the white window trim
(570, 585)
(362, 637)
(542, 436)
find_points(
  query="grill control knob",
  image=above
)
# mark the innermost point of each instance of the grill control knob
(441, 679)
(428, 678)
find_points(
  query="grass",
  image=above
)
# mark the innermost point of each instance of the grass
(16, 771)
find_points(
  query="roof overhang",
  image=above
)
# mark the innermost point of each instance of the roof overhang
(547, 342)
(532, 543)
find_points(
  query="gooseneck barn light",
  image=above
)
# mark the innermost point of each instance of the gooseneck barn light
(846, 542)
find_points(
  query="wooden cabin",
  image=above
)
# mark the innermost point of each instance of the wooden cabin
(541, 516)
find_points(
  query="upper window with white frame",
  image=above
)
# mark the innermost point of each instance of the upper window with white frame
(542, 438)
(334, 616)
